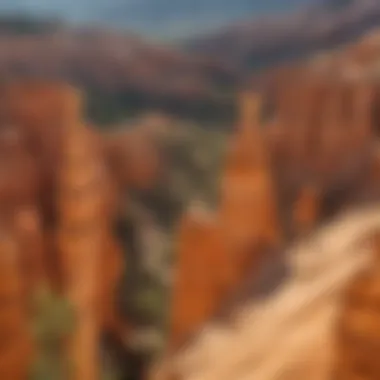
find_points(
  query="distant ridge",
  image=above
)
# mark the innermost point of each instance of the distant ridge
(278, 39)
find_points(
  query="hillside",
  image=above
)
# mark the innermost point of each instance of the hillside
(357, 60)
(123, 73)
(259, 43)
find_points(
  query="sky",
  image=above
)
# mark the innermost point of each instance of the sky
(154, 18)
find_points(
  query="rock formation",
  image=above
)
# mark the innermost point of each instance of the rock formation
(357, 335)
(60, 187)
(290, 332)
(215, 252)
(199, 283)
(15, 347)
(316, 155)
(248, 206)
(306, 210)
(82, 234)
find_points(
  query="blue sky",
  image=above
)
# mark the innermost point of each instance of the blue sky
(155, 18)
